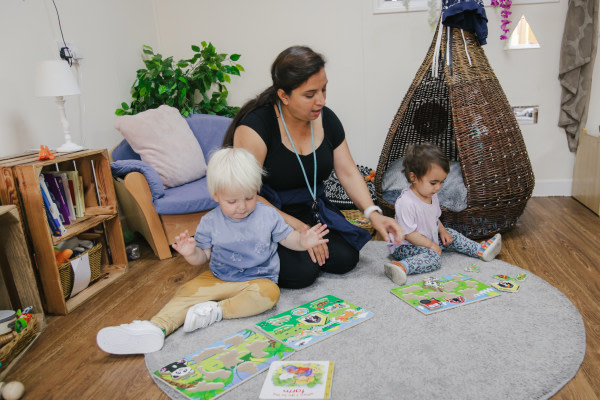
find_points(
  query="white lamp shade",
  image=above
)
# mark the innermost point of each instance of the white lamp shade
(54, 78)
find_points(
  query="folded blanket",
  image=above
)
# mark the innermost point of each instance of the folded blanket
(123, 167)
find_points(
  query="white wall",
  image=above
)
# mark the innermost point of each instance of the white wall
(372, 60)
(108, 33)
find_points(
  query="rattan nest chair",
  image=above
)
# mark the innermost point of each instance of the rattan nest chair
(465, 111)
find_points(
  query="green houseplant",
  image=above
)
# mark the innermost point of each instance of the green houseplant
(195, 85)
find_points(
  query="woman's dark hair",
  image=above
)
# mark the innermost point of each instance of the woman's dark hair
(291, 68)
(418, 158)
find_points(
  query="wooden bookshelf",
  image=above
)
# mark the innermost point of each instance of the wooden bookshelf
(19, 185)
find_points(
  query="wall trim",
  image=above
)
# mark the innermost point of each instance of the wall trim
(552, 187)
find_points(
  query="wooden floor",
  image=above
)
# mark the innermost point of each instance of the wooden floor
(557, 239)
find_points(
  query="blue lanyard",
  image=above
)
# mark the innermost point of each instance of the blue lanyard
(313, 192)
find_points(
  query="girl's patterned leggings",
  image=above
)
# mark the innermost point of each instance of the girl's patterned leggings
(419, 260)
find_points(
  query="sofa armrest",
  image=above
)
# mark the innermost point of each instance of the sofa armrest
(135, 199)
(124, 167)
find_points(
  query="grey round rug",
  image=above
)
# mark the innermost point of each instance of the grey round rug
(523, 345)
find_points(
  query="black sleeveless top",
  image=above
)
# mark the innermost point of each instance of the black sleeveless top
(281, 164)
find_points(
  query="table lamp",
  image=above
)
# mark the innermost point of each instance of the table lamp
(54, 78)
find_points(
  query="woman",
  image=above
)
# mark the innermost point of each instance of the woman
(298, 141)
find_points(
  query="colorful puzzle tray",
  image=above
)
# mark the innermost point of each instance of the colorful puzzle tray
(456, 290)
(314, 321)
(213, 370)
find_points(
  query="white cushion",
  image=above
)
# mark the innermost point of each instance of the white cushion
(164, 140)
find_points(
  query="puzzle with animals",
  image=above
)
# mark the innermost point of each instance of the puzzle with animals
(433, 295)
(314, 321)
(210, 372)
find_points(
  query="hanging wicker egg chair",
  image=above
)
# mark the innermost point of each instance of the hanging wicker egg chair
(466, 113)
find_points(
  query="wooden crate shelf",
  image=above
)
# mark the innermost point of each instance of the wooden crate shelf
(19, 185)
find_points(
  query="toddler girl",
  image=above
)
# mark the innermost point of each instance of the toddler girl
(418, 211)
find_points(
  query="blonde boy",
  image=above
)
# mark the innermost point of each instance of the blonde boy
(239, 239)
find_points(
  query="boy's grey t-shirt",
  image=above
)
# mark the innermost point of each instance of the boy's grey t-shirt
(246, 249)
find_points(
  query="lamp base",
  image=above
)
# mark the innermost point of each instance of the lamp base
(69, 147)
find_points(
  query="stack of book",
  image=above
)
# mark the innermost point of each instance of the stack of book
(62, 192)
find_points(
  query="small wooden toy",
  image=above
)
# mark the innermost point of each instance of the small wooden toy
(473, 268)
(433, 283)
(506, 286)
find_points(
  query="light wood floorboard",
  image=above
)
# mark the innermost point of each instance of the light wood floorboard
(557, 239)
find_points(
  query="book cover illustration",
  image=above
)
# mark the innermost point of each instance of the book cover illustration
(314, 321)
(210, 372)
(298, 380)
(450, 291)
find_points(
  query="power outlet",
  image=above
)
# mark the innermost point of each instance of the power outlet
(75, 52)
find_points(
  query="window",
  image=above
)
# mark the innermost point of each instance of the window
(522, 37)
(393, 6)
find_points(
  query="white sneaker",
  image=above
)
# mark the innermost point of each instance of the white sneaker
(138, 337)
(202, 315)
(489, 249)
(395, 271)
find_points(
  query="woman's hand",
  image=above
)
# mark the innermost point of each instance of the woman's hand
(386, 225)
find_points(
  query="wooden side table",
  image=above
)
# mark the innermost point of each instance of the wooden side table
(586, 174)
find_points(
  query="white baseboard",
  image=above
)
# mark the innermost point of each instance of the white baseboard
(552, 187)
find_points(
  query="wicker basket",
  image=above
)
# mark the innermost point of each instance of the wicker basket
(357, 218)
(66, 272)
(13, 348)
(466, 113)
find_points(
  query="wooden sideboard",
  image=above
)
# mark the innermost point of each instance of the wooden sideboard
(586, 174)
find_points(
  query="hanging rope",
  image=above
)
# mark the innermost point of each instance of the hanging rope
(462, 32)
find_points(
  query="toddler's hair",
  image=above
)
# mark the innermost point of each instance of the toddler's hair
(233, 169)
(418, 158)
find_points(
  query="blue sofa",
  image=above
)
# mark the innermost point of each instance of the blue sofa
(156, 212)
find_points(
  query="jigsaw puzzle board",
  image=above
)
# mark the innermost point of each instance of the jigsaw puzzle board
(455, 290)
(311, 322)
(213, 370)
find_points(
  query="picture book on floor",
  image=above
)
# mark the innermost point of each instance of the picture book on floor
(298, 380)
(314, 321)
(213, 370)
(433, 295)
